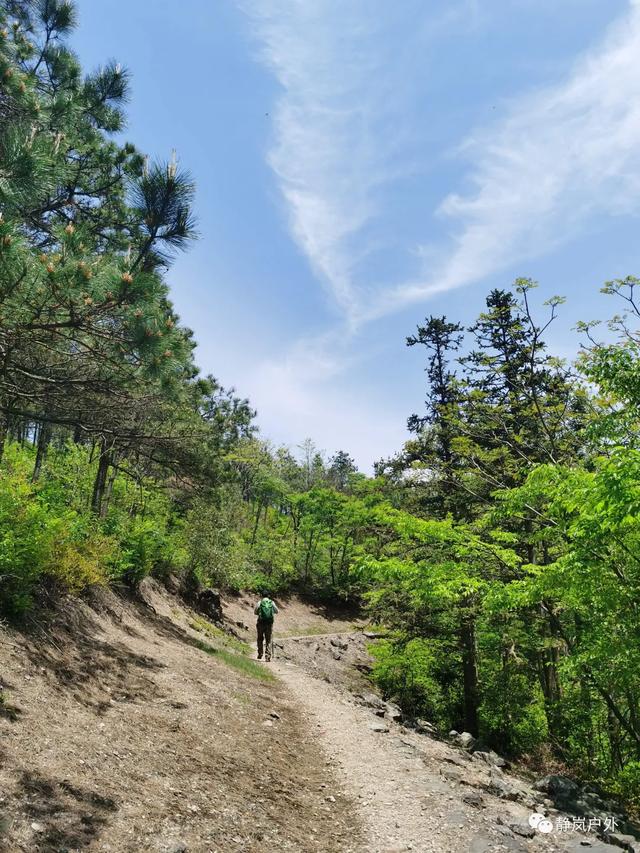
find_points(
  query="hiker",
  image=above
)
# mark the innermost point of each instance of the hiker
(265, 610)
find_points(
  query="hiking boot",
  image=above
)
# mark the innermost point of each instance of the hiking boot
(259, 657)
(268, 659)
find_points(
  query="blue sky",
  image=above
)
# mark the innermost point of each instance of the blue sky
(361, 164)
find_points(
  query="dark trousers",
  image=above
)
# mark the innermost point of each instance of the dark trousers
(265, 630)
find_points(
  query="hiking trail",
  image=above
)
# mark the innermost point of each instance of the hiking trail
(411, 791)
(137, 726)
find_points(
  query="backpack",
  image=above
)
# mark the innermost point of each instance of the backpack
(265, 610)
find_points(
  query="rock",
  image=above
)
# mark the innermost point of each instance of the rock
(210, 604)
(378, 712)
(450, 775)
(453, 734)
(458, 761)
(492, 758)
(372, 701)
(504, 830)
(274, 714)
(172, 583)
(500, 787)
(176, 847)
(373, 635)
(379, 727)
(465, 740)
(393, 712)
(582, 804)
(626, 842)
(267, 724)
(561, 789)
(339, 644)
(37, 827)
(474, 800)
(336, 654)
(522, 829)
(425, 727)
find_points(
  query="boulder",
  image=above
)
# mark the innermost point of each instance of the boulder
(490, 757)
(465, 740)
(210, 604)
(559, 788)
(392, 712)
(337, 643)
(425, 727)
(379, 727)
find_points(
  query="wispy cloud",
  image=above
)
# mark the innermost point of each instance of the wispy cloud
(557, 158)
(346, 129)
(338, 125)
(561, 157)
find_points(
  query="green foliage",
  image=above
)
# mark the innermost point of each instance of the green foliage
(40, 538)
(500, 546)
(529, 586)
(412, 674)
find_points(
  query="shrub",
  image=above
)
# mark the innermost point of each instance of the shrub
(39, 537)
(407, 672)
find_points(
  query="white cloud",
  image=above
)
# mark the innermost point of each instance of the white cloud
(546, 169)
(338, 125)
(304, 395)
(559, 156)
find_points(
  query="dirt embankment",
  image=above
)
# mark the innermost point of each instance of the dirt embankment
(139, 726)
(135, 726)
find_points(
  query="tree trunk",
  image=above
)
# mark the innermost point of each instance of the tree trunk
(104, 504)
(549, 659)
(44, 437)
(4, 425)
(469, 669)
(255, 526)
(100, 483)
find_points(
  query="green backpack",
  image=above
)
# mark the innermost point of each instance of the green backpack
(265, 610)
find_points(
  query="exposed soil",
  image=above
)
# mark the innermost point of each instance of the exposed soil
(412, 791)
(136, 726)
(127, 737)
(296, 617)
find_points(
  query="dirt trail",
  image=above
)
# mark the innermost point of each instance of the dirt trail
(403, 806)
(136, 726)
(412, 792)
(120, 734)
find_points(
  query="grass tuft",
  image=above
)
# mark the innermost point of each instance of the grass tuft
(239, 662)
(205, 627)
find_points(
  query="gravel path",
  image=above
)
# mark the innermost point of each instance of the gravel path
(402, 803)
(411, 792)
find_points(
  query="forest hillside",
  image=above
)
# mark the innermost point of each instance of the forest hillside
(495, 557)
